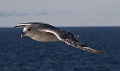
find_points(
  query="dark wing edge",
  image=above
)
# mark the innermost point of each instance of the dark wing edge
(75, 43)
(71, 41)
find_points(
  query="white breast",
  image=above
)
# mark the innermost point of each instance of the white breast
(45, 37)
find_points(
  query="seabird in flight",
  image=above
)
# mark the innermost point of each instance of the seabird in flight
(47, 33)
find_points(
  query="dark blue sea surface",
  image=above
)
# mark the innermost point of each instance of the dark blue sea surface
(25, 54)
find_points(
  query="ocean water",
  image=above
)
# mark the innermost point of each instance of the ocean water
(25, 54)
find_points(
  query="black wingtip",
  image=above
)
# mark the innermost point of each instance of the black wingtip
(101, 52)
(15, 26)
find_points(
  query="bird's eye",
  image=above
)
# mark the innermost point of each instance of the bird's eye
(29, 29)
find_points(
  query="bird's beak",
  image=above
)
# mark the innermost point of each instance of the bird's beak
(23, 34)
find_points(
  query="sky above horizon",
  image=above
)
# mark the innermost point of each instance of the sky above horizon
(60, 12)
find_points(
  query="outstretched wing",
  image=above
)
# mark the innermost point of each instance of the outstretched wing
(70, 40)
(75, 43)
(64, 36)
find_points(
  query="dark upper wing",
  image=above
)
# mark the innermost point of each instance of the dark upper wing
(68, 38)
(75, 43)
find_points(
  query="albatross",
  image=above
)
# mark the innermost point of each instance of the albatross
(44, 32)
